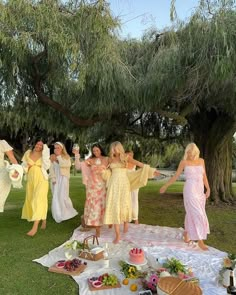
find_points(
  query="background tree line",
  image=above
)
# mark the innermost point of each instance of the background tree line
(66, 73)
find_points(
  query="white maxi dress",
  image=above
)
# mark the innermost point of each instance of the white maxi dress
(62, 207)
(5, 182)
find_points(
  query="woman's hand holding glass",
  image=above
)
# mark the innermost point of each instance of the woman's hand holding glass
(75, 149)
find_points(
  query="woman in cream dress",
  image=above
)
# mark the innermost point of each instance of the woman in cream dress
(62, 207)
(36, 162)
(119, 186)
(5, 182)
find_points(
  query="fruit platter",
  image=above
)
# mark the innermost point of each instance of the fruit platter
(103, 282)
(69, 267)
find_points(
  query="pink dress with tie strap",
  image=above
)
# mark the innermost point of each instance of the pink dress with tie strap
(196, 221)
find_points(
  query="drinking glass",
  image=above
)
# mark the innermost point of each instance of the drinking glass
(76, 146)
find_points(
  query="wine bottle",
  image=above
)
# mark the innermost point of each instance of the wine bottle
(231, 288)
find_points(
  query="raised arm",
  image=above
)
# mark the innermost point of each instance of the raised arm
(140, 164)
(173, 178)
(135, 162)
(205, 181)
(11, 157)
(77, 159)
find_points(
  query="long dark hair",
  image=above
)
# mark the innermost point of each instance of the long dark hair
(97, 145)
(35, 140)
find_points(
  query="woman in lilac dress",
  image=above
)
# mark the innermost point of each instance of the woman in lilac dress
(196, 222)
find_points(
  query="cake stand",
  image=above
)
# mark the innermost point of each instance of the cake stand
(138, 265)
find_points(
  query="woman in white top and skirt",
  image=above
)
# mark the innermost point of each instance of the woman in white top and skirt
(62, 207)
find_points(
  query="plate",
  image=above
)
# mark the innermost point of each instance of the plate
(92, 288)
(137, 264)
(75, 272)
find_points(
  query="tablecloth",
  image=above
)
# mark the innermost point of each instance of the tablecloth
(157, 242)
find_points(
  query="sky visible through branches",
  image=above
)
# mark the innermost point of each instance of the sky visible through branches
(137, 16)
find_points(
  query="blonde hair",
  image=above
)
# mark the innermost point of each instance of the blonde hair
(64, 153)
(193, 149)
(119, 148)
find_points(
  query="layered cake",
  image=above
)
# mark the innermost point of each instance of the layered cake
(136, 256)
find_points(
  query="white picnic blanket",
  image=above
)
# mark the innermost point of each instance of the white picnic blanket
(157, 242)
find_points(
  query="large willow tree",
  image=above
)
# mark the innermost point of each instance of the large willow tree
(60, 65)
(192, 71)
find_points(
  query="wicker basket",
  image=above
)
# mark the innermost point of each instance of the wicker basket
(85, 253)
(176, 286)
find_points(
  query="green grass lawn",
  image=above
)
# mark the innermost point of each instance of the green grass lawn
(19, 275)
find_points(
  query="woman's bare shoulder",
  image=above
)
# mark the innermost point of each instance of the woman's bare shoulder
(183, 162)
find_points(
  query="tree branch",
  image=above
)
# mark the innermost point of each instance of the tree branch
(209, 8)
(37, 84)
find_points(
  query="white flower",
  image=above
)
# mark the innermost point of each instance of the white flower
(74, 245)
(68, 255)
(68, 245)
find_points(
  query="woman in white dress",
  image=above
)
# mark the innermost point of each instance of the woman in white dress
(62, 207)
(5, 182)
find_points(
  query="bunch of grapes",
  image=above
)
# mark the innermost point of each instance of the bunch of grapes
(110, 280)
(72, 265)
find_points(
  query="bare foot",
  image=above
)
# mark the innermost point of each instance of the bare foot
(202, 245)
(82, 221)
(125, 227)
(136, 221)
(43, 226)
(116, 241)
(186, 237)
(32, 232)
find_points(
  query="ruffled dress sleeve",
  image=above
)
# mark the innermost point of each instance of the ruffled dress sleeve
(5, 147)
(140, 177)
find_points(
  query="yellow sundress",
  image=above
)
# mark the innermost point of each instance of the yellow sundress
(120, 183)
(118, 198)
(36, 200)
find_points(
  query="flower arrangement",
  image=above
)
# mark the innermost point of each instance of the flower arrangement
(74, 245)
(150, 281)
(229, 263)
(130, 271)
(172, 267)
(175, 266)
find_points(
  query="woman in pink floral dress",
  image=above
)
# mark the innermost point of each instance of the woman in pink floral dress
(95, 203)
(196, 222)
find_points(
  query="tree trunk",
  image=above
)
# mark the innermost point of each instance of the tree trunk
(213, 133)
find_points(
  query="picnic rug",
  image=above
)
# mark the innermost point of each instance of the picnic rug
(157, 242)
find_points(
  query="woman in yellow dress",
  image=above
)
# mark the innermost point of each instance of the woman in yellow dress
(36, 162)
(120, 183)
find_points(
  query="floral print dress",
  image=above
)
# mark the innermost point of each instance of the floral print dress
(95, 197)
